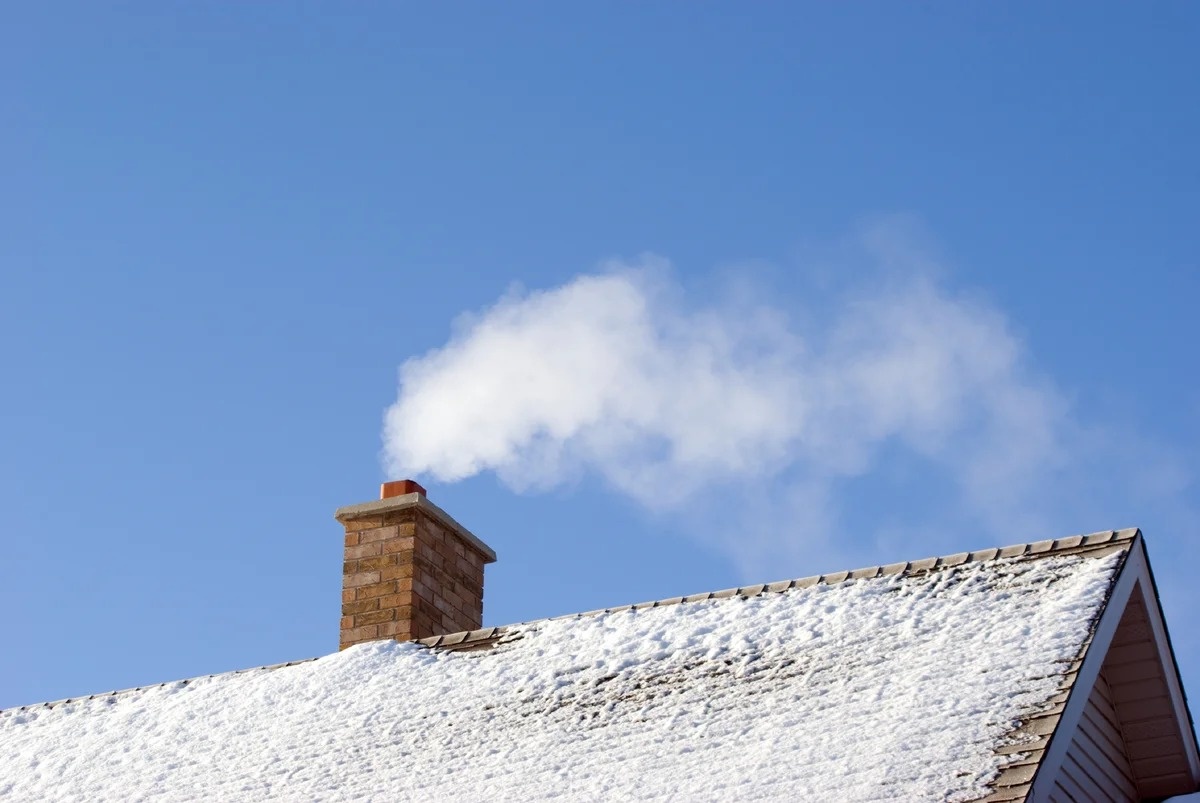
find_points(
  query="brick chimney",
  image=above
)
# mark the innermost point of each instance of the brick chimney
(410, 570)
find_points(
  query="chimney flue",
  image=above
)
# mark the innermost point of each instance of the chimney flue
(400, 488)
(410, 570)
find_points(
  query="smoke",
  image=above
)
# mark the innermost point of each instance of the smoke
(605, 373)
(615, 374)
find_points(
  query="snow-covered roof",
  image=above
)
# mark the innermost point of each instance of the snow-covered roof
(922, 680)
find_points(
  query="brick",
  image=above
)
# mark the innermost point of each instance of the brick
(351, 539)
(365, 523)
(374, 617)
(347, 622)
(357, 634)
(405, 544)
(362, 606)
(375, 564)
(396, 572)
(397, 630)
(395, 600)
(404, 584)
(347, 595)
(364, 550)
(376, 589)
(378, 534)
(427, 608)
(360, 579)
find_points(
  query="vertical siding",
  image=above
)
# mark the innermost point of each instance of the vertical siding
(1096, 767)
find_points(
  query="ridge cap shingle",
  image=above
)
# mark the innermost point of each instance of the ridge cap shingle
(1075, 544)
(489, 636)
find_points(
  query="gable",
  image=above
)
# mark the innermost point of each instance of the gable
(1126, 722)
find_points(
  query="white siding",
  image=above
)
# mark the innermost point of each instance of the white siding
(1096, 767)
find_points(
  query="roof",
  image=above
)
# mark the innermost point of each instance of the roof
(937, 679)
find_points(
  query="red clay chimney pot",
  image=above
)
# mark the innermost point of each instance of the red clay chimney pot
(399, 488)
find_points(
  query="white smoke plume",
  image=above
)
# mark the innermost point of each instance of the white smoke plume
(614, 374)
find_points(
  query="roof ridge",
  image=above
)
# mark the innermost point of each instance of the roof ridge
(1054, 546)
(485, 637)
(148, 686)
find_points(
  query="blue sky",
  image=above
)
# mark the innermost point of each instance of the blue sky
(894, 281)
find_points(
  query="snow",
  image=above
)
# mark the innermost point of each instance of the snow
(893, 688)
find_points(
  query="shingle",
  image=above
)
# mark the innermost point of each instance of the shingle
(1008, 794)
(1091, 539)
(923, 565)
(1016, 774)
(1059, 698)
(1041, 725)
(1031, 747)
(482, 633)
(455, 638)
(596, 612)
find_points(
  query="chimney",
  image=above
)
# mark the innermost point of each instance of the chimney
(410, 570)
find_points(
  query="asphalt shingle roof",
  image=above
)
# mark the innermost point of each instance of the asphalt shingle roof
(935, 677)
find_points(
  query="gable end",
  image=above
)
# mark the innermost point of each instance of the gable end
(1125, 720)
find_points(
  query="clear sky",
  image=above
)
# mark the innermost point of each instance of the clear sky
(752, 291)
